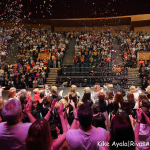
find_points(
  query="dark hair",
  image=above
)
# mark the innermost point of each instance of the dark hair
(22, 98)
(121, 130)
(109, 94)
(95, 108)
(53, 132)
(99, 121)
(130, 96)
(39, 136)
(145, 103)
(86, 97)
(85, 115)
(126, 107)
(73, 96)
(119, 98)
(41, 94)
(47, 101)
(101, 96)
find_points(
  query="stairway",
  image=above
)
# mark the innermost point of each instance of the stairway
(70, 52)
(52, 76)
(133, 77)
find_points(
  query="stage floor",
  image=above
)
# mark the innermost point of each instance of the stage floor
(65, 92)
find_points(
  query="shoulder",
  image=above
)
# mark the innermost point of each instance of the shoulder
(71, 133)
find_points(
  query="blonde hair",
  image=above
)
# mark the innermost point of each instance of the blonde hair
(148, 89)
(73, 88)
(54, 88)
(64, 101)
(79, 104)
(96, 88)
(11, 91)
(35, 91)
(87, 89)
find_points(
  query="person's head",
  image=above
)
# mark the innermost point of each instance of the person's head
(39, 136)
(133, 89)
(146, 111)
(101, 96)
(73, 88)
(36, 91)
(47, 101)
(54, 91)
(87, 89)
(121, 130)
(130, 96)
(96, 88)
(86, 97)
(23, 99)
(119, 97)
(54, 131)
(79, 104)
(85, 115)
(12, 92)
(148, 88)
(140, 98)
(12, 111)
(109, 94)
(34, 103)
(73, 96)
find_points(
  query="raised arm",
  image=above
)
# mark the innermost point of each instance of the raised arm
(48, 115)
(136, 131)
(74, 123)
(60, 113)
(27, 110)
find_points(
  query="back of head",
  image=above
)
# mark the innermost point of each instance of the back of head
(86, 97)
(101, 96)
(73, 88)
(11, 92)
(96, 88)
(12, 110)
(109, 94)
(85, 115)
(22, 98)
(46, 101)
(119, 98)
(73, 96)
(53, 132)
(121, 131)
(39, 137)
(130, 96)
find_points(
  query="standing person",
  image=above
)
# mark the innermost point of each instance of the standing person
(54, 62)
(75, 59)
(43, 75)
(108, 60)
(46, 89)
(87, 136)
(96, 89)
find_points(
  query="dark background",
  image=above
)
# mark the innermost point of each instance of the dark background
(58, 9)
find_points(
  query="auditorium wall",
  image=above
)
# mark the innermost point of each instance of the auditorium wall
(146, 28)
(95, 30)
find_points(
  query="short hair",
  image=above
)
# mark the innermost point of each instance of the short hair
(35, 90)
(23, 91)
(79, 104)
(12, 110)
(11, 91)
(85, 115)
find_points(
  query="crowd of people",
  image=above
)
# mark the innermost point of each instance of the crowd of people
(93, 48)
(132, 43)
(29, 70)
(95, 120)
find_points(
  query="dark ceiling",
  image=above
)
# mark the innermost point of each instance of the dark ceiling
(58, 9)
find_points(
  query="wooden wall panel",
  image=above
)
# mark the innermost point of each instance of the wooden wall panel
(146, 28)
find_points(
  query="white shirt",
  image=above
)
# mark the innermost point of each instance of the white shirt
(77, 139)
(13, 137)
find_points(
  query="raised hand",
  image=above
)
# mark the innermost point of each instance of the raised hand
(28, 106)
(53, 104)
(60, 109)
(72, 104)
